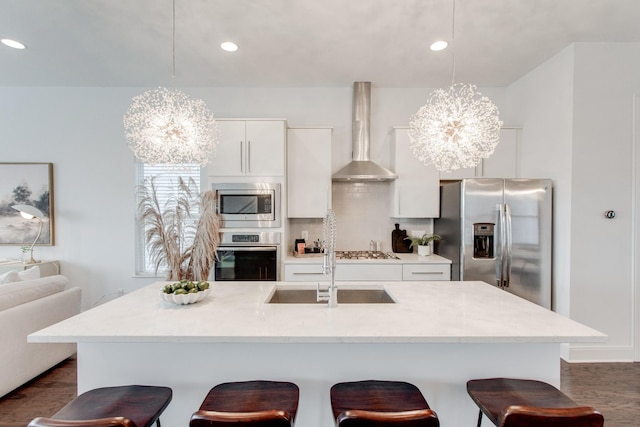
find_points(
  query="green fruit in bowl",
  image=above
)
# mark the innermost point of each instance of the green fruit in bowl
(185, 287)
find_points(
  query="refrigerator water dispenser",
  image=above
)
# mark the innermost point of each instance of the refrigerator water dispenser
(483, 240)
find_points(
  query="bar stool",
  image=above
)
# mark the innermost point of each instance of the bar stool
(126, 406)
(375, 403)
(249, 404)
(524, 403)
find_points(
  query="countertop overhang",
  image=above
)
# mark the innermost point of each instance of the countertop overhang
(425, 312)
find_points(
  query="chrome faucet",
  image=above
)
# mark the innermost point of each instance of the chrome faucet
(329, 260)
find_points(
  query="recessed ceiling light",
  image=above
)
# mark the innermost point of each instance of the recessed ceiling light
(12, 43)
(229, 46)
(439, 45)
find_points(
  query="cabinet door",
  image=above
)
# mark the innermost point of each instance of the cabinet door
(461, 173)
(304, 273)
(368, 272)
(265, 142)
(229, 158)
(416, 192)
(426, 272)
(308, 172)
(503, 163)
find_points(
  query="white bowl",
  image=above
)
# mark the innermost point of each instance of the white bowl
(185, 298)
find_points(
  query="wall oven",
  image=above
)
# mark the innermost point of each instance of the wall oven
(248, 256)
(248, 204)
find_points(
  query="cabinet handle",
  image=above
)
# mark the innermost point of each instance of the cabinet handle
(248, 156)
(241, 162)
(296, 274)
(427, 272)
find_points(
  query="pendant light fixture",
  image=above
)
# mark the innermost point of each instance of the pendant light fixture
(457, 127)
(165, 126)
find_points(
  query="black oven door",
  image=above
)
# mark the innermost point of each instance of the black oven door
(246, 263)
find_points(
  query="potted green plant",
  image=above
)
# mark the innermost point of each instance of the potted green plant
(423, 243)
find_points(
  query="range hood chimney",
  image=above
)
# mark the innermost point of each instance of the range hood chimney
(361, 168)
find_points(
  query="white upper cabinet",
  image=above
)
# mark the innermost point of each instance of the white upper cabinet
(503, 163)
(462, 173)
(250, 148)
(308, 172)
(416, 192)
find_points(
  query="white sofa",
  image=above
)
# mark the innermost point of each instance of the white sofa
(27, 306)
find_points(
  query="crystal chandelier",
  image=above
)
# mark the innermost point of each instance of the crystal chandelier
(457, 127)
(166, 126)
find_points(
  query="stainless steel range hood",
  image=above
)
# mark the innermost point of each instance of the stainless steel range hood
(361, 168)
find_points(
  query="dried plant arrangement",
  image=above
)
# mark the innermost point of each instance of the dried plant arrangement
(175, 237)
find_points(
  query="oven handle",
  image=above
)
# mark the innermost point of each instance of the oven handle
(246, 248)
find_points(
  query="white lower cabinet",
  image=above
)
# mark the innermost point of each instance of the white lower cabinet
(368, 272)
(344, 272)
(303, 273)
(426, 272)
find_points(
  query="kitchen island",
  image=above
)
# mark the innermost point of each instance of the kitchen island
(436, 335)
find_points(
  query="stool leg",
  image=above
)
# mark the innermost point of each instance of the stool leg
(158, 422)
(479, 418)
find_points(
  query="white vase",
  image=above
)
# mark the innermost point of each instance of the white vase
(424, 250)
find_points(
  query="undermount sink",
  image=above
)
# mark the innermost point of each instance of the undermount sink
(345, 296)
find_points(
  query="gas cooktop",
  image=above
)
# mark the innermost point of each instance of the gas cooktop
(364, 255)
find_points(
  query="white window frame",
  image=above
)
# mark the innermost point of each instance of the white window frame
(166, 175)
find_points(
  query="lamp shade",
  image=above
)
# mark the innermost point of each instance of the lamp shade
(29, 210)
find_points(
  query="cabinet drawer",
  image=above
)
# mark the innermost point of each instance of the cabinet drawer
(304, 273)
(426, 272)
(369, 272)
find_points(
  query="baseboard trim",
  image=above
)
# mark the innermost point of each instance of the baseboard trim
(587, 354)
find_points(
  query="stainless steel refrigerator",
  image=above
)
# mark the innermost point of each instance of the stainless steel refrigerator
(499, 231)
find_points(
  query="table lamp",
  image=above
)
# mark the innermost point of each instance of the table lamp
(30, 212)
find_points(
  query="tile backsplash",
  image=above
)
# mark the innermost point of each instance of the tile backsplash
(362, 214)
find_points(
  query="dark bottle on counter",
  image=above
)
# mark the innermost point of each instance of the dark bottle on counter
(399, 244)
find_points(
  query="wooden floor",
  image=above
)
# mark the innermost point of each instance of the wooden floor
(612, 388)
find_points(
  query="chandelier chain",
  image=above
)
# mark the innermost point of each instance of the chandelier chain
(173, 45)
(453, 43)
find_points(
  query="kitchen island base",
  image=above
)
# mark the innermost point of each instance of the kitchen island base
(439, 370)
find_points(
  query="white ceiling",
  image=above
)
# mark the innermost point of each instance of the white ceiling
(297, 43)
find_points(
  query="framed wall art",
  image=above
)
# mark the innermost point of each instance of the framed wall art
(26, 184)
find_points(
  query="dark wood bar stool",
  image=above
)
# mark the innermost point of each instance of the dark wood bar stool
(249, 404)
(380, 403)
(127, 406)
(527, 403)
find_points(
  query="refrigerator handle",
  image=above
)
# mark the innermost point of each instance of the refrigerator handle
(500, 258)
(508, 244)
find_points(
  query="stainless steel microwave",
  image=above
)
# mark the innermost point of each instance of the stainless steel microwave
(248, 204)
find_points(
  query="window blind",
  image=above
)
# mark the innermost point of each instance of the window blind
(166, 180)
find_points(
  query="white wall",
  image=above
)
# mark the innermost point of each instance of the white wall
(607, 75)
(542, 104)
(80, 131)
(578, 117)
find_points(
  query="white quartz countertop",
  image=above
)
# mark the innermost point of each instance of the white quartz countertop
(425, 312)
(406, 258)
